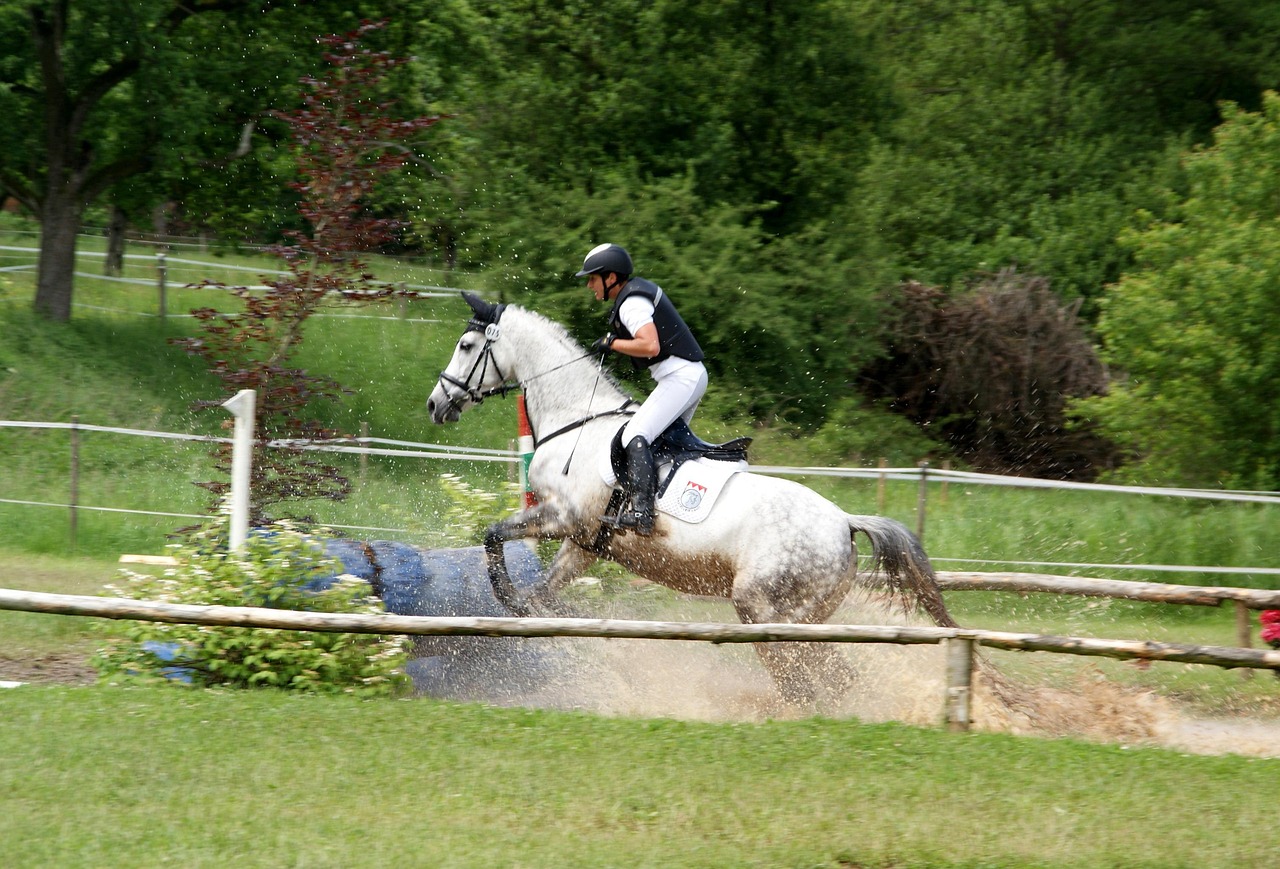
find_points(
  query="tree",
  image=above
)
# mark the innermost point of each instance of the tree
(718, 142)
(346, 138)
(86, 90)
(1030, 128)
(764, 106)
(1190, 330)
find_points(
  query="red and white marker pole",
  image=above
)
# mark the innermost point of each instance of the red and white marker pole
(525, 448)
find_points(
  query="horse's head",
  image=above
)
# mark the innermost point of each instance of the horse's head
(473, 374)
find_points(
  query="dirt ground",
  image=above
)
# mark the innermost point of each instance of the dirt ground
(63, 669)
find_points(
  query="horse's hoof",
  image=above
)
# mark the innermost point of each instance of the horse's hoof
(520, 607)
(549, 606)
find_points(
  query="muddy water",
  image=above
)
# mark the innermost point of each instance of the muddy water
(702, 682)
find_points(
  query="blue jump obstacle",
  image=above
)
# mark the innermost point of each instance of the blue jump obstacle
(414, 581)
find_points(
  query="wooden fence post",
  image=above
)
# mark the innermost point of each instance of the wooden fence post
(959, 700)
(161, 270)
(1244, 633)
(921, 497)
(884, 463)
(75, 478)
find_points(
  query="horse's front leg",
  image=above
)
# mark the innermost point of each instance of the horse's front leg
(571, 561)
(543, 521)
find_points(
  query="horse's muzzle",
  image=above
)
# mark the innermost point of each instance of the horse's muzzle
(441, 409)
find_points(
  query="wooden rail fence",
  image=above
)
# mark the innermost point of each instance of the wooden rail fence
(962, 641)
(1245, 599)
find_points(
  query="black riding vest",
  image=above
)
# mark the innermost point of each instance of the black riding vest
(674, 337)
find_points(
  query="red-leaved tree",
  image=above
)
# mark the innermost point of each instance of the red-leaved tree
(346, 138)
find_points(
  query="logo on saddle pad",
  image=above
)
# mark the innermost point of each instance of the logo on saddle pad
(691, 497)
(692, 491)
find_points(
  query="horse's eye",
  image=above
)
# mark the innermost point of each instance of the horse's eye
(464, 346)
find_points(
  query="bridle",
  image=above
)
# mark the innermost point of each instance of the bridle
(474, 393)
(492, 332)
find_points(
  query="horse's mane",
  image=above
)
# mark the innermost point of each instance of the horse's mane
(557, 331)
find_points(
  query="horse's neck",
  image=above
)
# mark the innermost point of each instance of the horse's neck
(560, 386)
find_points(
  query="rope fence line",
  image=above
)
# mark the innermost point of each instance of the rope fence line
(412, 449)
(386, 447)
(162, 261)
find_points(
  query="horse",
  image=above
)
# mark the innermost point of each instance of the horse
(777, 550)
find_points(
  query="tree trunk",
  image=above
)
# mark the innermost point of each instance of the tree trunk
(60, 224)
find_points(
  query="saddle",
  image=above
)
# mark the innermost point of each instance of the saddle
(675, 446)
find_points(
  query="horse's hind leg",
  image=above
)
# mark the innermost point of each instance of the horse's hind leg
(806, 673)
(803, 672)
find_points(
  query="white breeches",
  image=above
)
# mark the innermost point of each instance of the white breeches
(676, 396)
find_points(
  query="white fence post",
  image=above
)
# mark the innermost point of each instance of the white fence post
(242, 408)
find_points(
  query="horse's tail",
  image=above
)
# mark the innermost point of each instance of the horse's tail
(898, 555)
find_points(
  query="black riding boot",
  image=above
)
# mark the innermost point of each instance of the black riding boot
(642, 479)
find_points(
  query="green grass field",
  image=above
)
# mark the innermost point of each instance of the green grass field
(150, 777)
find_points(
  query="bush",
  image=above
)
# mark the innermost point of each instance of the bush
(990, 372)
(472, 510)
(272, 571)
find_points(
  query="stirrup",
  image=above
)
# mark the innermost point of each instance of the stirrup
(634, 520)
(629, 520)
(626, 518)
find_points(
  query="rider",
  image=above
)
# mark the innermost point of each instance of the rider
(644, 325)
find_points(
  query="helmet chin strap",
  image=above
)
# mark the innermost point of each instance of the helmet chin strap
(609, 287)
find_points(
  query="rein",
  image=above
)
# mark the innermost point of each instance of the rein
(617, 411)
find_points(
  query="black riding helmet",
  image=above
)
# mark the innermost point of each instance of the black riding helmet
(607, 258)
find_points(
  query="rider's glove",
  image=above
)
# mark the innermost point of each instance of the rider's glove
(602, 344)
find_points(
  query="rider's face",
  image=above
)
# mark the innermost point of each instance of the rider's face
(595, 283)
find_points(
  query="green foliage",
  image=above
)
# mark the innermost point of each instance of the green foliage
(271, 571)
(761, 306)
(472, 509)
(1030, 130)
(768, 106)
(1191, 329)
(856, 432)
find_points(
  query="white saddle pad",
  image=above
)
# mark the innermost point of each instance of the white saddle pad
(696, 486)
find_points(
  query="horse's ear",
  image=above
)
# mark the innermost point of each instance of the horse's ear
(486, 312)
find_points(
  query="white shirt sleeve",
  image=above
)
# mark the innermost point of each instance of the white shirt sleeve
(635, 312)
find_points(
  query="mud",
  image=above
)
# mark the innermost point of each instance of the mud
(58, 669)
(701, 682)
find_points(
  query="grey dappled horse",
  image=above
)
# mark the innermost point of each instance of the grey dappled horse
(776, 549)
